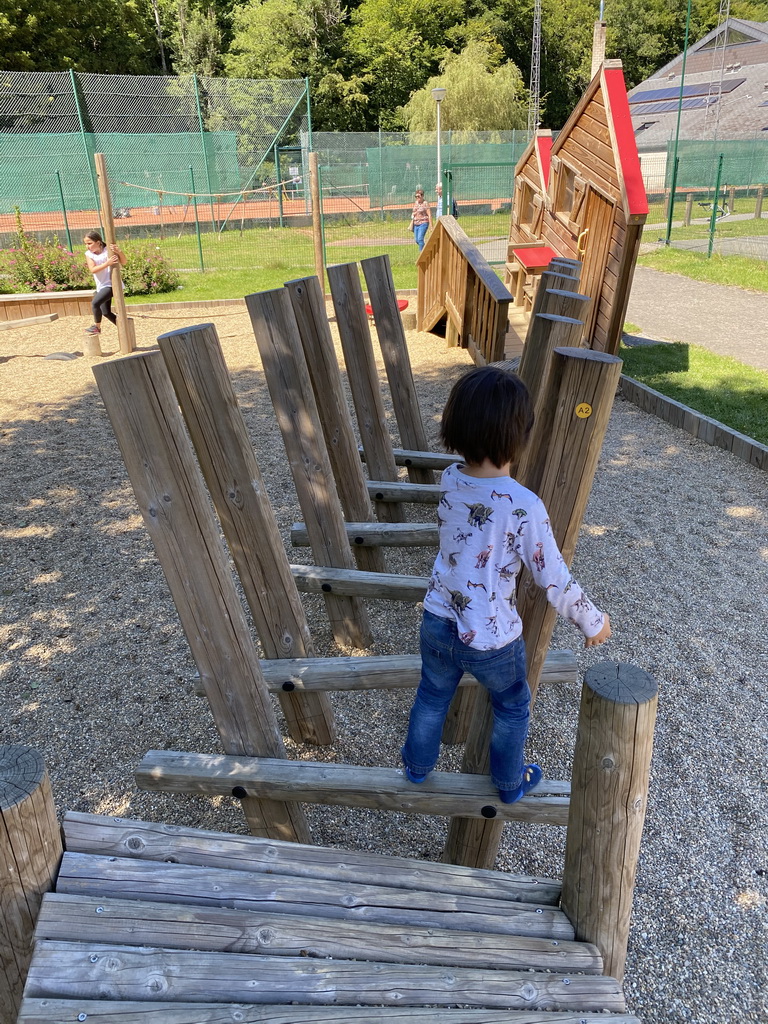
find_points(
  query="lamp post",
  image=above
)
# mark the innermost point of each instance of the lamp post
(438, 95)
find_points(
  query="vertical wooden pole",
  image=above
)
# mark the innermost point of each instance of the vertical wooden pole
(30, 851)
(559, 465)
(175, 506)
(731, 199)
(759, 201)
(317, 217)
(355, 334)
(308, 304)
(609, 796)
(125, 333)
(277, 336)
(397, 362)
(208, 403)
(688, 210)
(547, 330)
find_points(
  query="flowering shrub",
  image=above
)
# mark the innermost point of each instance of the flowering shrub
(148, 271)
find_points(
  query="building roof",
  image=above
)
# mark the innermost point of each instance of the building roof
(725, 93)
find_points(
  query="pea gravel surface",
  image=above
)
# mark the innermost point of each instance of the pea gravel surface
(95, 669)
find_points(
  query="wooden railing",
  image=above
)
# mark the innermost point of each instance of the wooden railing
(456, 282)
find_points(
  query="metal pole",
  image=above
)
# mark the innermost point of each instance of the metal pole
(677, 128)
(713, 219)
(279, 186)
(204, 151)
(197, 221)
(439, 156)
(381, 174)
(64, 211)
(86, 150)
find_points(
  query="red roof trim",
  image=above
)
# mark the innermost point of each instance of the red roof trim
(618, 105)
(544, 150)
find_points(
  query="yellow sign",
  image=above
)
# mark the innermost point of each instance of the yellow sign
(583, 410)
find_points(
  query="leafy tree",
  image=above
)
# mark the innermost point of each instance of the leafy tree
(483, 93)
(196, 41)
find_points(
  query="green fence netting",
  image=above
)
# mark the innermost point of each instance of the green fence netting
(745, 163)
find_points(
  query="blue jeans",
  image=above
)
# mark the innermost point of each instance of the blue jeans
(419, 233)
(444, 660)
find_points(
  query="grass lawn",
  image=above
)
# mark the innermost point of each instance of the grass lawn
(743, 271)
(716, 386)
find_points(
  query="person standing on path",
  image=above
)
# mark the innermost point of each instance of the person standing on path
(100, 260)
(421, 218)
(489, 527)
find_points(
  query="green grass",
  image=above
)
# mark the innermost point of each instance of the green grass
(713, 385)
(743, 271)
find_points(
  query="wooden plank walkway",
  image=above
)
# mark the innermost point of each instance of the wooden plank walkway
(157, 922)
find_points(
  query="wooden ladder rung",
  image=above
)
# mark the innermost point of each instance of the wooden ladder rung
(377, 535)
(321, 579)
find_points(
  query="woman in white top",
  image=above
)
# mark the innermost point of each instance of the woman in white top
(100, 260)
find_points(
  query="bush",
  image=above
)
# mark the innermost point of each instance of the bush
(147, 271)
(43, 266)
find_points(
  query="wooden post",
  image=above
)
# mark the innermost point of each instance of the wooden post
(175, 506)
(397, 362)
(759, 201)
(125, 332)
(564, 264)
(562, 280)
(208, 403)
(317, 217)
(731, 199)
(609, 796)
(30, 851)
(558, 464)
(545, 333)
(308, 303)
(688, 210)
(356, 344)
(277, 336)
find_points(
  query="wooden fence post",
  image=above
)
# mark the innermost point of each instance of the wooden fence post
(203, 386)
(126, 335)
(559, 325)
(397, 362)
(558, 464)
(308, 303)
(175, 506)
(364, 384)
(759, 201)
(30, 851)
(688, 210)
(609, 796)
(277, 337)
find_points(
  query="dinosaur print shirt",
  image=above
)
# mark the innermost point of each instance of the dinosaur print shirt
(489, 528)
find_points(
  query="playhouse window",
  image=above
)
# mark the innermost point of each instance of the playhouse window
(566, 189)
(526, 206)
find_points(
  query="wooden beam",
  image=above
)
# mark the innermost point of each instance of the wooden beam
(387, 789)
(224, 450)
(30, 321)
(125, 330)
(175, 507)
(317, 579)
(399, 535)
(430, 460)
(385, 490)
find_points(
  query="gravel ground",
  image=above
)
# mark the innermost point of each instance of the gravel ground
(94, 669)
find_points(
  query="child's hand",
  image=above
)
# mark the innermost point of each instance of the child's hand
(601, 637)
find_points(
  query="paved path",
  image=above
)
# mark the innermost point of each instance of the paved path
(726, 320)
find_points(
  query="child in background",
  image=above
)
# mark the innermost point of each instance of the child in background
(100, 260)
(489, 527)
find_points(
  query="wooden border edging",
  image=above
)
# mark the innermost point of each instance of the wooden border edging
(712, 432)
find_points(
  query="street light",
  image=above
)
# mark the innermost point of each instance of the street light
(438, 95)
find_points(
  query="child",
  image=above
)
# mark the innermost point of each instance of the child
(99, 260)
(489, 526)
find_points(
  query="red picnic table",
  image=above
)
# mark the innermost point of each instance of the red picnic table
(529, 261)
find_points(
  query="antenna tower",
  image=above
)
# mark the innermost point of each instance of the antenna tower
(534, 87)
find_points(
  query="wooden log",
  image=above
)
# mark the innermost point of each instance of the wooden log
(352, 321)
(318, 579)
(174, 504)
(397, 362)
(471, 796)
(267, 931)
(193, 976)
(545, 333)
(430, 460)
(126, 334)
(400, 535)
(386, 491)
(562, 280)
(282, 356)
(92, 346)
(688, 210)
(308, 304)
(317, 218)
(123, 837)
(558, 464)
(759, 196)
(208, 403)
(98, 1011)
(611, 766)
(30, 321)
(334, 900)
(30, 850)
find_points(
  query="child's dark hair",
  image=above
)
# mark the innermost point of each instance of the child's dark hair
(488, 415)
(94, 236)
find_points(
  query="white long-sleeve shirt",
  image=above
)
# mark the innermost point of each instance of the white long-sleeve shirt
(489, 527)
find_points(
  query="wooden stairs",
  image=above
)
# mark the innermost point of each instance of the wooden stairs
(161, 923)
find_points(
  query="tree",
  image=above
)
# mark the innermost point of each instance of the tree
(196, 41)
(482, 93)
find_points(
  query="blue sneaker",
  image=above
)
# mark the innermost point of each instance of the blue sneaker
(532, 776)
(414, 778)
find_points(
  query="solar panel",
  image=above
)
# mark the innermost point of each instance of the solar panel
(695, 103)
(673, 92)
